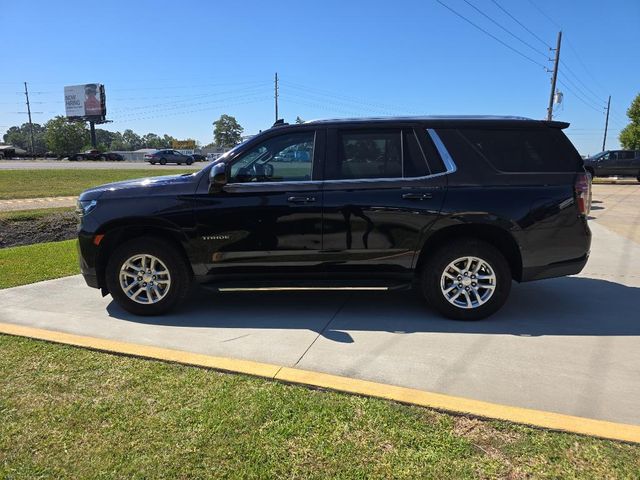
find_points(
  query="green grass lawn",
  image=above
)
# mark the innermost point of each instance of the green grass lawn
(74, 413)
(33, 263)
(56, 183)
(67, 412)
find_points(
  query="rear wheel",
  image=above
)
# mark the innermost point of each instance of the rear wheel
(466, 280)
(163, 161)
(147, 276)
(189, 162)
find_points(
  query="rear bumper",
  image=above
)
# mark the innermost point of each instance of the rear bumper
(560, 269)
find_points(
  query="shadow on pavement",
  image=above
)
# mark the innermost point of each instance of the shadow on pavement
(564, 306)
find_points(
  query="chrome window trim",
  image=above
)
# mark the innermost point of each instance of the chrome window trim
(440, 147)
(442, 150)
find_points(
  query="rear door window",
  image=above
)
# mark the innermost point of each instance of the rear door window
(524, 150)
(377, 153)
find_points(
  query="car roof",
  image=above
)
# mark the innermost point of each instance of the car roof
(442, 121)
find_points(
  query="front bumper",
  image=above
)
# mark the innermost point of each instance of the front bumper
(87, 254)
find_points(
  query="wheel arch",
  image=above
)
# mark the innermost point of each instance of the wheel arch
(117, 234)
(495, 235)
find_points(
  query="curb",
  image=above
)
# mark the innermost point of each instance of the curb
(437, 401)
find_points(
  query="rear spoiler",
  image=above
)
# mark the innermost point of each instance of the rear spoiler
(556, 124)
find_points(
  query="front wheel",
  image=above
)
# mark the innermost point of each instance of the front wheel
(466, 280)
(163, 161)
(147, 276)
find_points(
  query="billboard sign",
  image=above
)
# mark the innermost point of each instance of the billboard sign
(183, 144)
(85, 102)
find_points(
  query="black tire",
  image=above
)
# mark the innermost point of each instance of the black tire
(103, 158)
(436, 264)
(179, 271)
(152, 163)
(189, 162)
(163, 161)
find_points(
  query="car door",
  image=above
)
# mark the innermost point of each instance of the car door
(627, 164)
(268, 218)
(379, 198)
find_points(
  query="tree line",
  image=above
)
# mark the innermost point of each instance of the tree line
(61, 137)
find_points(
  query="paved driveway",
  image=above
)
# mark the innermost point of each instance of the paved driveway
(569, 345)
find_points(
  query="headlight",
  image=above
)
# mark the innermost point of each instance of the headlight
(85, 207)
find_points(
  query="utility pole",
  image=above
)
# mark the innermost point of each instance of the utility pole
(606, 124)
(276, 95)
(554, 78)
(92, 129)
(26, 93)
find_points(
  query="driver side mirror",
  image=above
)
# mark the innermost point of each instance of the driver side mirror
(217, 177)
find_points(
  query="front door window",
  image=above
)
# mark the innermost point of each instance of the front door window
(286, 158)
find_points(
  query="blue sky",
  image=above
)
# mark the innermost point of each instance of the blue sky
(174, 67)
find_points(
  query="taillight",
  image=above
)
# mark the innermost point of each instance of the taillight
(582, 189)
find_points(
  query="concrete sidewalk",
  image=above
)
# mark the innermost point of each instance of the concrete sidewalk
(569, 345)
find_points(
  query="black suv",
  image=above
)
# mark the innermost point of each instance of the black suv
(622, 163)
(456, 206)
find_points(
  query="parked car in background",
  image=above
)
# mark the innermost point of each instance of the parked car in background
(198, 157)
(116, 157)
(456, 207)
(96, 155)
(212, 157)
(168, 156)
(620, 163)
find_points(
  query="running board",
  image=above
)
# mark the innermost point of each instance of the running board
(305, 285)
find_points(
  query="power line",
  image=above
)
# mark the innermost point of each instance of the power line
(491, 35)
(351, 99)
(573, 49)
(504, 28)
(545, 15)
(207, 109)
(522, 25)
(577, 78)
(353, 108)
(567, 79)
(196, 104)
(580, 97)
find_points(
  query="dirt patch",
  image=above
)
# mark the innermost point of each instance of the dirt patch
(49, 228)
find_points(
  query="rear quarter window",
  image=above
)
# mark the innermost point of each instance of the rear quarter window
(524, 150)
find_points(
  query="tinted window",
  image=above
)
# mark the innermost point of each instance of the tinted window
(531, 150)
(279, 159)
(413, 161)
(363, 154)
(369, 155)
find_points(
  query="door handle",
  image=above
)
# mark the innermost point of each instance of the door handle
(301, 199)
(417, 196)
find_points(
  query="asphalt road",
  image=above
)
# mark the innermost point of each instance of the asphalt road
(66, 164)
(568, 345)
